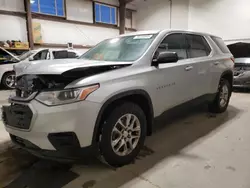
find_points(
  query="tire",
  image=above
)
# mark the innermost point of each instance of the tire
(110, 134)
(216, 106)
(6, 80)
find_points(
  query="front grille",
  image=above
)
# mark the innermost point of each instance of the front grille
(17, 115)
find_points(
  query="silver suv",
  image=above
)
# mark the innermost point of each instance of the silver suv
(105, 102)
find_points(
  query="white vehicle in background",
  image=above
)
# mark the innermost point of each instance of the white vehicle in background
(7, 74)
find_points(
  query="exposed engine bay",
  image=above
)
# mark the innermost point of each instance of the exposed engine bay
(28, 84)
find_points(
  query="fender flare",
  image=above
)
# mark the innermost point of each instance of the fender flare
(118, 97)
(228, 72)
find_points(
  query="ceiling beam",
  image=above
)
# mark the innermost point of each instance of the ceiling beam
(29, 23)
(129, 1)
(122, 14)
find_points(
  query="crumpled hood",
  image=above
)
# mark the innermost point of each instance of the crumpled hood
(59, 66)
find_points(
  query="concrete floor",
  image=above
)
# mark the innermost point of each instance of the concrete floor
(192, 151)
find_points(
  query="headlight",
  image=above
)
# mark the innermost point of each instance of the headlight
(66, 96)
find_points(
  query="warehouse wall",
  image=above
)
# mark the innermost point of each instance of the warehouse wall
(156, 14)
(62, 33)
(77, 10)
(227, 18)
(56, 32)
(12, 5)
(12, 27)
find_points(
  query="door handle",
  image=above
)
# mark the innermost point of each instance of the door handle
(216, 63)
(189, 68)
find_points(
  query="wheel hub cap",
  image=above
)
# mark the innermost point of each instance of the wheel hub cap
(10, 81)
(125, 134)
(224, 93)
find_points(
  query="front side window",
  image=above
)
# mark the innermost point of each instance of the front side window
(42, 55)
(105, 14)
(174, 43)
(197, 46)
(128, 48)
(50, 7)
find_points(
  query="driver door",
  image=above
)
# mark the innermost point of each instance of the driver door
(174, 85)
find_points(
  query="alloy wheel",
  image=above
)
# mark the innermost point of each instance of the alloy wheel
(224, 93)
(10, 81)
(125, 134)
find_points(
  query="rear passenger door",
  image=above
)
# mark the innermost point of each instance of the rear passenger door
(198, 51)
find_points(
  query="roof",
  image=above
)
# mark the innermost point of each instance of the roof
(55, 49)
(165, 30)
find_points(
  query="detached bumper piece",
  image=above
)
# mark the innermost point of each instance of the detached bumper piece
(241, 84)
(18, 116)
(66, 144)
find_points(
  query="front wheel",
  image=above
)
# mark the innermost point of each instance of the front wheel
(9, 80)
(222, 98)
(123, 134)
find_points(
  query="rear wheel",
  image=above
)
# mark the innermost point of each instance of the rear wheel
(123, 134)
(222, 98)
(9, 80)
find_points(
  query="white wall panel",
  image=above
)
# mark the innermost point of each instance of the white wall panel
(156, 14)
(227, 18)
(180, 9)
(80, 10)
(12, 5)
(62, 33)
(12, 28)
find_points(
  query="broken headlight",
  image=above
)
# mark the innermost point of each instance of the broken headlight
(66, 96)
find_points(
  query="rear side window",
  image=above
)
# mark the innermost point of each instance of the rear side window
(197, 46)
(64, 54)
(72, 55)
(220, 43)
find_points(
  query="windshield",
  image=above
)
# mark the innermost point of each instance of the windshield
(26, 55)
(128, 48)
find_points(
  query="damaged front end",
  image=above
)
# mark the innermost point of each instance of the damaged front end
(28, 86)
(48, 89)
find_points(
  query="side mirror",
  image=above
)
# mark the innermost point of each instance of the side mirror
(165, 57)
(31, 59)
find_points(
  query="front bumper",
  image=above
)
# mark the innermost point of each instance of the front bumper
(77, 119)
(242, 80)
(64, 153)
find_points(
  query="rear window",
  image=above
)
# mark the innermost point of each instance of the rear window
(220, 43)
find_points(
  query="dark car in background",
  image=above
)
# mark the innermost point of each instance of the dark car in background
(242, 73)
(241, 53)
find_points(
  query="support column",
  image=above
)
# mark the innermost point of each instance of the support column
(29, 23)
(122, 12)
